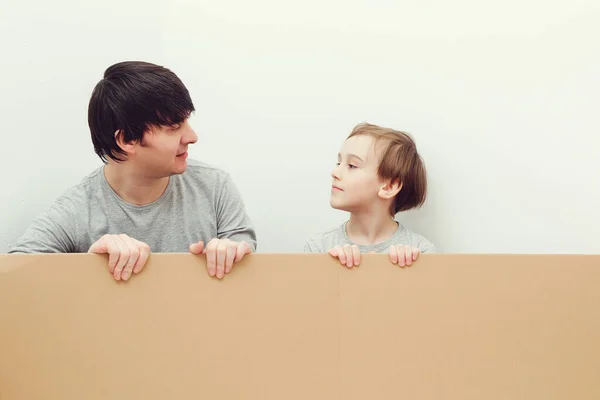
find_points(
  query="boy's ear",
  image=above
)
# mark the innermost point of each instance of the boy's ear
(128, 147)
(390, 189)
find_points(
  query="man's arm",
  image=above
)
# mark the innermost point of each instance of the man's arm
(53, 231)
(233, 222)
(235, 234)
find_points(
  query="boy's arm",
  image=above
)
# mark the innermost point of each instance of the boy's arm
(308, 248)
(426, 246)
(312, 247)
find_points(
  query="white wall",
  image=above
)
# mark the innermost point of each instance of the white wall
(502, 100)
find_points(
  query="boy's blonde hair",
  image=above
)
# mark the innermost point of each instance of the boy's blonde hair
(400, 162)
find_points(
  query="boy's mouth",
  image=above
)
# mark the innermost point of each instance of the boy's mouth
(334, 187)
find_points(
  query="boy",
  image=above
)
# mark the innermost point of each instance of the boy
(378, 174)
(146, 197)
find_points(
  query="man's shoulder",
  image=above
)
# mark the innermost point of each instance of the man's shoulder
(79, 195)
(203, 180)
(199, 170)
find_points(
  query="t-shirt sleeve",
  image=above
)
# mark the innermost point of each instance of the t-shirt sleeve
(310, 247)
(232, 220)
(426, 246)
(53, 231)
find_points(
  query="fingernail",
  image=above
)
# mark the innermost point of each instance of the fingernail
(211, 272)
(125, 275)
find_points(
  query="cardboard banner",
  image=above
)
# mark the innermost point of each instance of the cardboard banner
(300, 326)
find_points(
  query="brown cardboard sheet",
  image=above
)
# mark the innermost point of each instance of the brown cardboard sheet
(300, 326)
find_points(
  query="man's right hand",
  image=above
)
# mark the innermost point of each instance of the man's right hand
(126, 256)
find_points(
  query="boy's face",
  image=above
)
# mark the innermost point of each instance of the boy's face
(163, 150)
(356, 184)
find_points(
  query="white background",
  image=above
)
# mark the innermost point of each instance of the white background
(503, 99)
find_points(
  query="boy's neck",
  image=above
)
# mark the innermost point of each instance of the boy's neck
(132, 187)
(371, 227)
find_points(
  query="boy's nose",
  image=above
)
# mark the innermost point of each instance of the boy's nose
(335, 173)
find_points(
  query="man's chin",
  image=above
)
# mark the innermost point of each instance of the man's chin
(180, 169)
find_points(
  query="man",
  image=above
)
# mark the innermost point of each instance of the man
(146, 197)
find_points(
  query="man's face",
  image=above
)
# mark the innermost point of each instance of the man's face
(163, 150)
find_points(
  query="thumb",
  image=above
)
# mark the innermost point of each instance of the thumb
(99, 247)
(242, 250)
(197, 248)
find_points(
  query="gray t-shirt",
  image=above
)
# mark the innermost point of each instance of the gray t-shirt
(200, 204)
(339, 237)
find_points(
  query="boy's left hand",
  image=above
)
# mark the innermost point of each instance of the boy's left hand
(403, 255)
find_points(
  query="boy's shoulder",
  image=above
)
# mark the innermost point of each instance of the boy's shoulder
(416, 240)
(323, 241)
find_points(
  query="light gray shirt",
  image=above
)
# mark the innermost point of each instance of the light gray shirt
(200, 204)
(322, 242)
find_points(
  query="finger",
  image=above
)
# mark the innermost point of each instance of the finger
(221, 253)
(144, 254)
(99, 247)
(211, 256)
(341, 255)
(333, 252)
(242, 249)
(408, 253)
(356, 255)
(415, 253)
(230, 256)
(349, 258)
(401, 256)
(106, 245)
(123, 257)
(393, 254)
(134, 255)
(197, 248)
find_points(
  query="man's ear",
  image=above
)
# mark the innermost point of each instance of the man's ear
(390, 189)
(128, 147)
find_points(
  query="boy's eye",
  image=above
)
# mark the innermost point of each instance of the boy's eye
(337, 163)
(175, 127)
(352, 166)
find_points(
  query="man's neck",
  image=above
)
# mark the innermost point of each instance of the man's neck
(132, 187)
(367, 228)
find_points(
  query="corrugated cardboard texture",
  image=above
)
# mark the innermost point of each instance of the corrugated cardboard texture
(301, 327)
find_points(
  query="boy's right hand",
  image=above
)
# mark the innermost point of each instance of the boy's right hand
(126, 255)
(349, 256)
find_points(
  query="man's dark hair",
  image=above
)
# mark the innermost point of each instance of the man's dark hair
(132, 97)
